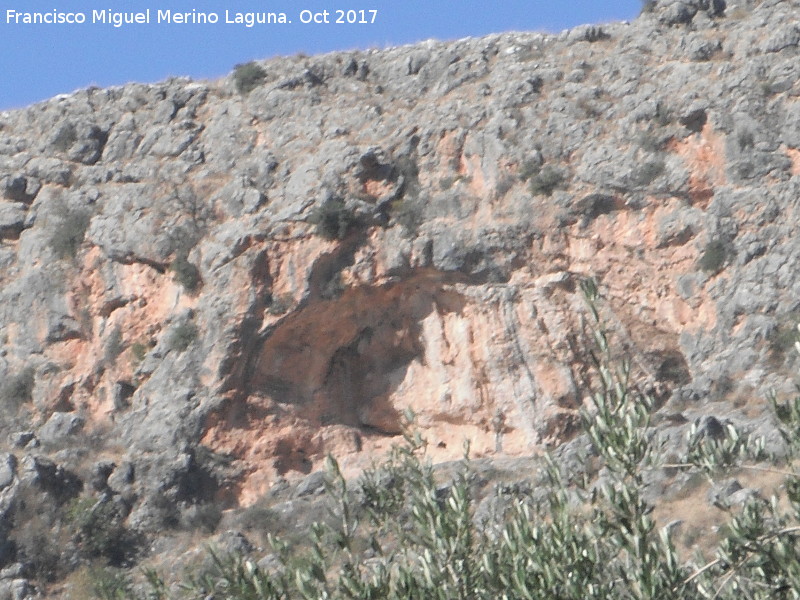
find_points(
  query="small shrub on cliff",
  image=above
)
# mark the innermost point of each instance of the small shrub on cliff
(407, 212)
(203, 517)
(17, 389)
(108, 583)
(186, 273)
(280, 305)
(248, 76)
(114, 346)
(333, 219)
(783, 338)
(504, 184)
(138, 351)
(182, 336)
(69, 231)
(258, 518)
(65, 137)
(714, 257)
(530, 168)
(39, 542)
(649, 171)
(546, 181)
(651, 140)
(745, 139)
(99, 528)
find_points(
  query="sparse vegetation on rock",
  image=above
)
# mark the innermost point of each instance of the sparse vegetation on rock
(333, 219)
(248, 76)
(182, 336)
(17, 389)
(649, 171)
(186, 273)
(280, 305)
(714, 256)
(68, 231)
(114, 346)
(546, 181)
(99, 530)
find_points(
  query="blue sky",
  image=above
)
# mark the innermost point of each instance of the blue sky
(38, 61)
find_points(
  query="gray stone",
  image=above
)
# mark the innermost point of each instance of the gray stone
(16, 589)
(20, 439)
(19, 188)
(721, 493)
(232, 542)
(710, 427)
(60, 426)
(677, 12)
(14, 571)
(121, 395)
(311, 485)
(50, 477)
(270, 563)
(122, 477)
(8, 469)
(744, 496)
(100, 474)
(12, 219)
(787, 35)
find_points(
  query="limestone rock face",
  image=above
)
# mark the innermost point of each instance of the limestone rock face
(221, 288)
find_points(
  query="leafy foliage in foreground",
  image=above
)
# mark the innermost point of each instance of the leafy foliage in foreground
(402, 534)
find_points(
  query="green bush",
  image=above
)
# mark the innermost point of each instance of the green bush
(258, 518)
(651, 140)
(663, 116)
(530, 168)
(69, 231)
(204, 517)
(333, 219)
(248, 76)
(113, 347)
(182, 336)
(138, 351)
(714, 257)
(333, 288)
(546, 181)
(407, 212)
(186, 273)
(649, 171)
(745, 139)
(65, 137)
(108, 583)
(783, 338)
(99, 529)
(17, 389)
(280, 305)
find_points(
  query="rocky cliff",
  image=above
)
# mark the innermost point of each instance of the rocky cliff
(208, 286)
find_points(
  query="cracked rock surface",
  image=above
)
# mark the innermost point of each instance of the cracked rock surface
(218, 289)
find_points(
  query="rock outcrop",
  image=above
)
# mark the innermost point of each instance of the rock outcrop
(217, 289)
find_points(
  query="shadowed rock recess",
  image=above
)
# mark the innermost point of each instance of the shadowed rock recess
(206, 287)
